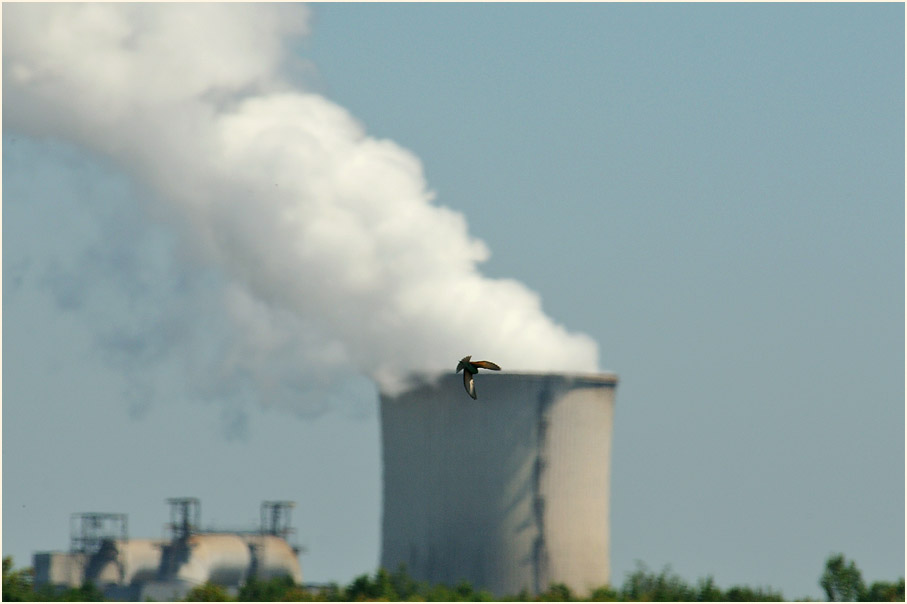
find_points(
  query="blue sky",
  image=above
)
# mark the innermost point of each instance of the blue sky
(712, 193)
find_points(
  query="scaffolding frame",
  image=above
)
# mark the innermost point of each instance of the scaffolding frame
(185, 517)
(275, 519)
(89, 530)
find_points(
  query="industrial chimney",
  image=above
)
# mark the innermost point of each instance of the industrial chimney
(509, 491)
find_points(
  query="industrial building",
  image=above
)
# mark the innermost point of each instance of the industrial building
(102, 553)
(509, 491)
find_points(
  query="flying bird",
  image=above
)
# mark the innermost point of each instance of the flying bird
(470, 368)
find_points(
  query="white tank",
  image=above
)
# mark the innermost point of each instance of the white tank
(275, 558)
(140, 558)
(59, 568)
(219, 558)
(509, 491)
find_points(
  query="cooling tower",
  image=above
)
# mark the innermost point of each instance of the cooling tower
(509, 491)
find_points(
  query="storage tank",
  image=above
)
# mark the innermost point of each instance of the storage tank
(274, 557)
(64, 569)
(509, 491)
(141, 559)
(224, 559)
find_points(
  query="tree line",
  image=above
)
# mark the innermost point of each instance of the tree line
(841, 581)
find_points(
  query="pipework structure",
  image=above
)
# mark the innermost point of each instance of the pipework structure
(510, 491)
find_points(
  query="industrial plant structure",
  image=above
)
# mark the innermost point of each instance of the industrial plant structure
(102, 553)
(508, 492)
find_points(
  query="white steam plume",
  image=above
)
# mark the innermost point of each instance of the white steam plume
(281, 189)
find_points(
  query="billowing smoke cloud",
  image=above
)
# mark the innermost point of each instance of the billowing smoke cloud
(329, 242)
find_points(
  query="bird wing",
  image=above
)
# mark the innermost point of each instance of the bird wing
(486, 365)
(469, 384)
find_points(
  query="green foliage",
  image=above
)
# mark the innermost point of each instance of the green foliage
(841, 581)
(605, 593)
(748, 594)
(284, 589)
(277, 589)
(364, 589)
(462, 592)
(523, 596)
(882, 591)
(207, 592)
(331, 593)
(708, 592)
(641, 585)
(406, 587)
(400, 587)
(18, 585)
(298, 594)
(557, 592)
(86, 593)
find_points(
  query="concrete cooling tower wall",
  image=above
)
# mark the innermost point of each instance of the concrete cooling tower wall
(509, 491)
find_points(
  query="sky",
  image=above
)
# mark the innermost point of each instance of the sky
(226, 227)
